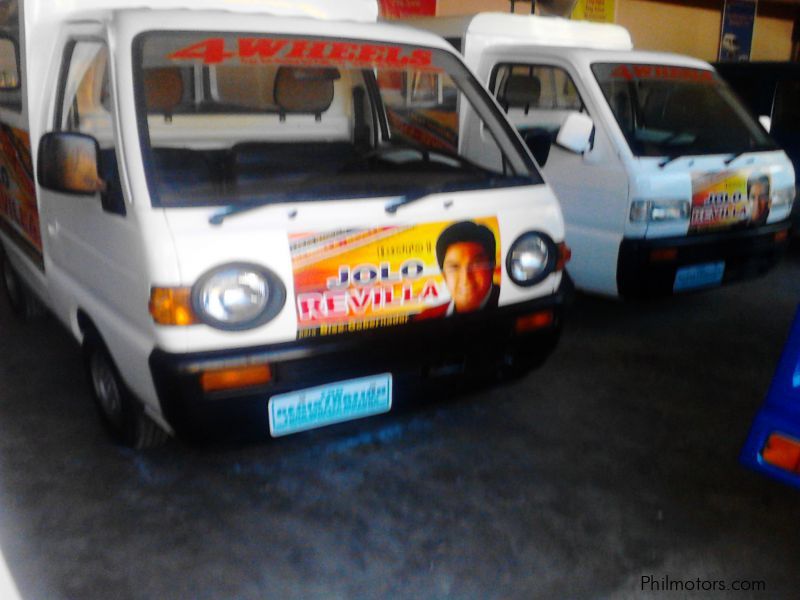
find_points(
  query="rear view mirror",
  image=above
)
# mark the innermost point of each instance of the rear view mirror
(68, 163)
(766, 122)
(575, 134)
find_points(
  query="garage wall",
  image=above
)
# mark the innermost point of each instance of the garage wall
(448, 8)
(681, 28)
(772, 39)
(684, 26)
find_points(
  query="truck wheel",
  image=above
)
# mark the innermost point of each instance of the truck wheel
(120, 412)
(22, 302)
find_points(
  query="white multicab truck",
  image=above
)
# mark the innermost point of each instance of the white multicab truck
(666, 183)
(261, 217)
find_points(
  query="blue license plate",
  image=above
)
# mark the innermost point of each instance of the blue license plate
(328, 404)
(699, 276)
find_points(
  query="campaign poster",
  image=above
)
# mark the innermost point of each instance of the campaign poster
(599, 11)
(19, 213)
(736, 37)
(433, 128)
(730, 198)
(408, 8)
(361, 279)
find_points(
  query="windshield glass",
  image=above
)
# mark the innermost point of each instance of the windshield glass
(676, 111)
(244, 119)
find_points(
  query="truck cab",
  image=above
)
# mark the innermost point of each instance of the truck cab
(667, 184)
(259, 219)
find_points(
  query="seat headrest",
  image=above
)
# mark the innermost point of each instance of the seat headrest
(163, 89)
(304, 90)
(522, 91)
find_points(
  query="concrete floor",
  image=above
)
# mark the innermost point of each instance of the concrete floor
(615, 461)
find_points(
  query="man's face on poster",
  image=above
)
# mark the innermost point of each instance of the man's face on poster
(468, 274)
(759, 192)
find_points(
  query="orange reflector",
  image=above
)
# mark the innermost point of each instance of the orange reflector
(537, 320)
(235, 377)
(782, 452)
(782, 236)
(564, 256)
(663, 254)
(172, 306)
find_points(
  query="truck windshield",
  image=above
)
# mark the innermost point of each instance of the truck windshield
(675, 111)
(242, 119)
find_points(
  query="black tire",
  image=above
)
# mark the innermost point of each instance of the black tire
(122, 415)
(22, 302)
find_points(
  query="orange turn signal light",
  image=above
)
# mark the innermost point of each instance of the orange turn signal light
(564, 256)
(537, 320)
(235, 377)
(172, 306)
(781, 236)
(664, 255)
(782, 452)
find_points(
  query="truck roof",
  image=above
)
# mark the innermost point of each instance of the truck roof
(639, 57)
(505, 29)
(340, 10)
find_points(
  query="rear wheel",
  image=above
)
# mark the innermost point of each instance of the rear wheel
(19, 297)
(121, 413)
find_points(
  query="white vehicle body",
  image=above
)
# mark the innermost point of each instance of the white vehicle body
(601, 186)
(97, 262)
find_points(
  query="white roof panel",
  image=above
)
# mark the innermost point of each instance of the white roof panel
(340, 10)
(550, 31)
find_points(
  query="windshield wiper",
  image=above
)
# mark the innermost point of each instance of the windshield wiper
(235, 209)
(392, 205)
(670, 159)
(734, 156)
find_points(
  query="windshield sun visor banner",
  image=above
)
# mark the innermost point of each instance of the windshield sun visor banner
(663, 72)
(729, 198)
(359, 279)
(301, 52)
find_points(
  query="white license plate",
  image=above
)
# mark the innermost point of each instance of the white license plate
(329, 404)
(699, 276)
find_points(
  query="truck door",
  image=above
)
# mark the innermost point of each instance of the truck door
(92, 239)
(592, 188)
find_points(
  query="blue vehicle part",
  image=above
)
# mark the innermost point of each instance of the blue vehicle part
(775, 433)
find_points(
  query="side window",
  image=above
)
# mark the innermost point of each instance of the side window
(786, 110)
(85, 103)
(549, 88)
(536, 95)
(9, 64)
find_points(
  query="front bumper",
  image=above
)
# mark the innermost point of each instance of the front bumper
(417, 354)
(647, 267)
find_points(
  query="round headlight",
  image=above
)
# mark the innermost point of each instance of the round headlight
(531, 258)
(238, 296)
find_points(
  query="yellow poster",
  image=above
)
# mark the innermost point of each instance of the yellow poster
(722, 200)
(19, 214)
(600, 11)
(360, 279)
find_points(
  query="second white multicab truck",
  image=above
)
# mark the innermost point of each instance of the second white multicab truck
(261, 217)
(666, 182)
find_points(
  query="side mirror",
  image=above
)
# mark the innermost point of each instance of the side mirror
(575, 134)
(766, 122)
(67, 162)
(539, 142)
